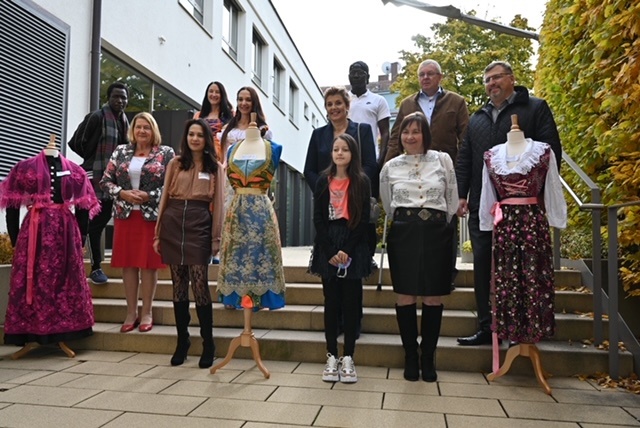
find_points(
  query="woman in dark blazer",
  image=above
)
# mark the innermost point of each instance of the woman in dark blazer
(336, 102)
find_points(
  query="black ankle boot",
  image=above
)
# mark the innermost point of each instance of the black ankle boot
(430, 326)
(408, 325)
(205, 316)
(181, 313)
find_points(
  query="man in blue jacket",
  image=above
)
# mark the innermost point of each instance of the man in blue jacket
(489, 127)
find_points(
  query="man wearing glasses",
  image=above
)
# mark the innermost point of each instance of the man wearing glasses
(448, 119)
(446, 113)
(488, 127)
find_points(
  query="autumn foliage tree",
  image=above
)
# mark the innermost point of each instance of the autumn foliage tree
(589, 72)
(463, 51)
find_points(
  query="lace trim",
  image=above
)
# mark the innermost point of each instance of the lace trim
(528, 159)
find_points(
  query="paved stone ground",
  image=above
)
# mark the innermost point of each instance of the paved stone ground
(121, 389)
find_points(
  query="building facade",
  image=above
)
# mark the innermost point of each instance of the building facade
(60, 55)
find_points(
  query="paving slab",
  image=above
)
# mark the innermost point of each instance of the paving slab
(498, 392)
(107, 368)
(258, 411)
(137, 402)
(447, 405)
(215, 389)
(29, 416)
(46, 395)
(121, 383)
(461, 421)
(283, 379)
(568, 412)
(344, 398)
(605, 397)
(366, 418)
(129, 420)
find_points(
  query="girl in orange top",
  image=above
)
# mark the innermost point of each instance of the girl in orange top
(340, 252)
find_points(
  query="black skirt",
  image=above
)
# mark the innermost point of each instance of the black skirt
(185, 234)
(419, 249)
(360, 266)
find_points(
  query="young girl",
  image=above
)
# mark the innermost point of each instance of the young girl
(184, 234)
(340, 252)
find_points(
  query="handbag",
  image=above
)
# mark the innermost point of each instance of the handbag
(374, 208)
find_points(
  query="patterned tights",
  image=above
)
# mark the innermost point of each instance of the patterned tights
(198, 275)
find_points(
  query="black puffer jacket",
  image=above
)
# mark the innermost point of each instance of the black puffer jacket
(535, 120)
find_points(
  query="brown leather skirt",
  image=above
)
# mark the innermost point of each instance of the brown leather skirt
(185, 234)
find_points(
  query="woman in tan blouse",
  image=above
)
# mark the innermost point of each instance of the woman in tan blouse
(184, 234)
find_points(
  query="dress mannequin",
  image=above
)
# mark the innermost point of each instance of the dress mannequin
(516, 146)
(49, 299)
(253, 148)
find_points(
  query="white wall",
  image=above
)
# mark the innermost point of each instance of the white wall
(191, 57)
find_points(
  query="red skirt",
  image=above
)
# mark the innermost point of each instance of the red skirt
(133, 243)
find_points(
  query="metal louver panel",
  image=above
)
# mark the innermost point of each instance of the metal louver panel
(33, 80)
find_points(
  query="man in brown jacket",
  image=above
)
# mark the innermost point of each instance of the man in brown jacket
(446, 113)
(448, 118)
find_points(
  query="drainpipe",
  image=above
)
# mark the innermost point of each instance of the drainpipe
(94, 84)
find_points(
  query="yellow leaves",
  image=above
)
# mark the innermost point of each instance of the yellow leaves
(631, 383)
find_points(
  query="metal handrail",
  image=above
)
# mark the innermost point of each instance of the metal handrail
(596, 250)
(596, 207)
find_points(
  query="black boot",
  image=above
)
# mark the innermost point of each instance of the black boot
(181, 313)
(408, 325)
(205, 316)
(430, 326)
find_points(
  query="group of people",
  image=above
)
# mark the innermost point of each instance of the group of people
(211, 201)
(170, 210)
(425, 170)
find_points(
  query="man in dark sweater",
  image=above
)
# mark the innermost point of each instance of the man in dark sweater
(488, 127)
(94, 140)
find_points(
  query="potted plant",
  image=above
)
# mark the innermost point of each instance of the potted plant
(6, 256)
(467, 252)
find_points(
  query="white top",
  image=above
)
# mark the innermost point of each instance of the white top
(554, 203)
(236, 135)
(135, 171)
(419, 181)
(369, 108)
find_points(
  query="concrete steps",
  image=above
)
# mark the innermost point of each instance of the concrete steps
(295, 333)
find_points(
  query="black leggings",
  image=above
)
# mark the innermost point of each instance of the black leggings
(199, 276)
(96, 227)
(345, 294)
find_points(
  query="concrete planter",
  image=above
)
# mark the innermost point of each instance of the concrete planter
(5, 274)
(466, 257)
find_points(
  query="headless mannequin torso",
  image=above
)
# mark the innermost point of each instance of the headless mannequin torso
(253, 147)
(516, 143)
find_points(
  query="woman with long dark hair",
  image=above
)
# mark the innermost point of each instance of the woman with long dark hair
(184, 234)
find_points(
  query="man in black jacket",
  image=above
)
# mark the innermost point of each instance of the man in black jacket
(488, 127)
(94, 140)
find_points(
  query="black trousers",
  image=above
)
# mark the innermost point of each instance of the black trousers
(96, 227)
(346, 295)
(454, 248)
(481, 243)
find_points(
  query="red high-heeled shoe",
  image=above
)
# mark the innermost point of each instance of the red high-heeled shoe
(146, 326)
(126, 328)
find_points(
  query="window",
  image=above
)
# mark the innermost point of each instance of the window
(257, 57)
(306, 111)
(144, 93)
(293, 101)
(195, 8)
(278, 77)
(313, 121)
(230, 28)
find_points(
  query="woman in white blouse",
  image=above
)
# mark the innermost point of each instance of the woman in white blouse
(419, 193)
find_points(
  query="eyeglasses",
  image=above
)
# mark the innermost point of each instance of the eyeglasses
(498, 76)
(428, 74)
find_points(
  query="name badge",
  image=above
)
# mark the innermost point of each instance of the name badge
(203, 175)
(248, 156)
(62, 173)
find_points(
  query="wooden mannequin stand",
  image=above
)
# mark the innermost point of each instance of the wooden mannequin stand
(531, 351)
(32, 345)
(246, 340)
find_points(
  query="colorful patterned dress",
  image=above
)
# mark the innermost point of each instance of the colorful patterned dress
(520, 203)
(251, 273)
(49, 298)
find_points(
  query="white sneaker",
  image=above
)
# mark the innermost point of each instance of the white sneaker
(348, 370)
(330, 373)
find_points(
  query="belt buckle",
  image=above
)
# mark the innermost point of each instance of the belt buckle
(424, 214)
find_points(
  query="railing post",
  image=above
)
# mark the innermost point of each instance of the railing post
(613, 292)
(596, 256)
